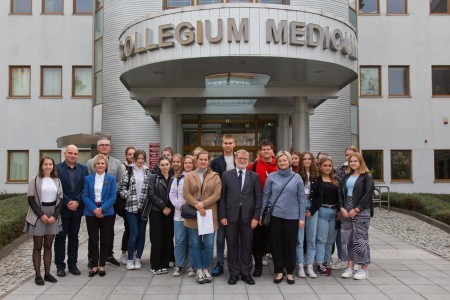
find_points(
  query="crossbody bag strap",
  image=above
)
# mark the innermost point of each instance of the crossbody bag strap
(282, 191)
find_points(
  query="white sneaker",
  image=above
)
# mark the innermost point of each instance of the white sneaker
(357, 267)
(137, 263)
(264, 261)
(361, 274)
(171, 264)
(164, 271)
(130, 265)
(190, 271)
(124, 259)
(339, 264)
(207, 276)
(301, 271)
(177, 271)
(348, 273)
(310, 271)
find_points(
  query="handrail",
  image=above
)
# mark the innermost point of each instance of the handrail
(378, 195)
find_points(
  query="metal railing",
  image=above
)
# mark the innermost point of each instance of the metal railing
(379, 197)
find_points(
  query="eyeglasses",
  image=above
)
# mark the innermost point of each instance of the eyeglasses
(242, 158)
(104, 145)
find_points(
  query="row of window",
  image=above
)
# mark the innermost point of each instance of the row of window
(401, 165)
(51, 81)
(400, 7)
(52, 7)
(398, 81)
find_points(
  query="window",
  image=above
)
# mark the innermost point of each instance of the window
(55, 154)
(374, 161)
(98, 88)
(181, 3)
(441, 80)
(352, 12)
(82, 81)
(398, 81)
(98, 4)
(401, 165)
(369, 7)
(98, 24)
(51, 81)
(396, 7)
(370, 84)
(21, 7)
(17, 166)
(84, 156)
(83, 7)
(442, 165)
(19, 81)
(52, 7)
(439, 6)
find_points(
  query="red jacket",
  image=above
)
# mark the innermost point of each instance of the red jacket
(263, 169)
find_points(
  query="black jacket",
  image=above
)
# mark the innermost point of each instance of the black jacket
(158, 193)
(316, 195)
(362, 192)
(219, 165)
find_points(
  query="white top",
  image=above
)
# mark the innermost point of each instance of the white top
(139, 176)
(98, 187)
(229, 160)
(49, 190)
(243, 176)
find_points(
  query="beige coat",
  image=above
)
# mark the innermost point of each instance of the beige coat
(210, 195)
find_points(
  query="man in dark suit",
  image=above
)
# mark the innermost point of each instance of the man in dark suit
(72, 176)
(239, 210)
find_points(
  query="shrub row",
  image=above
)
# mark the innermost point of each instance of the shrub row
(12, 212)
(7, 196)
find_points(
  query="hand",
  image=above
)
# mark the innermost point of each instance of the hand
(224, 221)
(301, 224)
(254, 223)
(51, 220)
(199, 205)
(338, 216)
(73, 205)
(44, 219)
(307, 214)
(167, 211)
(98, 212)
(344, 213)
(202, 212)
(352, 213)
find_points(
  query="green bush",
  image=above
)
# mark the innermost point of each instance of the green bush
(7, 196)
(13, 212)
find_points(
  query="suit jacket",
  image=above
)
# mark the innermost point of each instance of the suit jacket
(108, 195)
(81, 172)
(233, 199)
(114, 167)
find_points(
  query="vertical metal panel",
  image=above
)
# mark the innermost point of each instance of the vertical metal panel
(336, 7)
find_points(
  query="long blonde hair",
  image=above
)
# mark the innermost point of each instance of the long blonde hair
(362, 164)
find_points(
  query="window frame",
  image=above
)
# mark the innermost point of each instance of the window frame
(8, 180)
(440, 13)
(379, 180)
(397, 14)
(41, 93)
(53, 13)
(380, 89)
(407, 79)
(73, 82)
(432, 87)
(11, 12)
(437, 180)
(51, 150)
(410, 180)
(82, 13)
(10, 84)
(369, 14)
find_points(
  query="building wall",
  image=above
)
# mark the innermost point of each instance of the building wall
(417, 40)
(34, 124)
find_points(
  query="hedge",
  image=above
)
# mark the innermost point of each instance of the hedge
(7, 196)
(12, 211)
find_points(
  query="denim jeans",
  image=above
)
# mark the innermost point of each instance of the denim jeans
(326, 234)
(181, 244)
(202, 247)
(310, 228)
(137, 234)
(220, 243)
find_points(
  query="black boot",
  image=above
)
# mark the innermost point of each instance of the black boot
(258, 266)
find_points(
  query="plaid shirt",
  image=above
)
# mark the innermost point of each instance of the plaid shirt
(134, 205)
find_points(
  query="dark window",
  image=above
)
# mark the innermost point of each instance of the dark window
(442, 164)
(369, 7)
(374, 161)
(439, 6)
(398, 7)
(441, 80)
(401, 165)
(398, 81)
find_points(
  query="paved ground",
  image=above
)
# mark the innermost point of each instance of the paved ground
(400, 270)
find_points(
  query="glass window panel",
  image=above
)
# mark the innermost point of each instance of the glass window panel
(398, 81)
(84, 156)
(266, 1)
(396, 6)
(98, 55)
(441, 80)
(21, 7)
(354, 92)
(84, 6)
(352, 4)
(239, 1)
(442, 164)
(51, 81)
(99, 88)
(354, 119)
(20, 81)
(178, 3)
(374, 161)
(352, 17)
(98, 4)
(370, 81)
(99, 24)
(355, 140)
(368, 6)
(203, 2)
(82, 81)
(55, 154)
(53, 7)
(18, 166)
(438, 6)
(401, 165)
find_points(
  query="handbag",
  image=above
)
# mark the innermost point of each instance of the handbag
(267, 212)
(188, 212)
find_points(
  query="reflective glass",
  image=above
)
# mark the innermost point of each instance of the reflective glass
(21, 7)
(439, 6)
(84, 7)
(442, 164)
(401, 165)
(441, 80)
(396, 6)
(368, 6)
(398, 81)
(53, 7)
(370, 81)
(99, 24)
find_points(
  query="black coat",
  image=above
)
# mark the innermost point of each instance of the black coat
(158, 193)
(362, 192)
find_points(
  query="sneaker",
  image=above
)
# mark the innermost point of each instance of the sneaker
(171, 264)
(190, 271)
(356, 267)
(164, 271)
(361, 274)
(177, 271)
(218, 270)
(301, 271)
(113, 261)
(348, 273)
(207, 277)
(264, 260)
(199, 278)
(269, 255)
(324, 269)
(137, 263)
(130, 265)
(310, 271)
(156, 271)
(339, 264)
(124, 259)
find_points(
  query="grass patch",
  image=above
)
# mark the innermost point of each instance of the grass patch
(7, 196)
(13, 212)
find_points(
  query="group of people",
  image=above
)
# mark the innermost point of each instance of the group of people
(310, 206)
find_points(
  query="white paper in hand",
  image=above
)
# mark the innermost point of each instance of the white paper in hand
(205, 224)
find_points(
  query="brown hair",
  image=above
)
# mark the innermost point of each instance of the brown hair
(228, 137)
(202, 152)
(353, 148)
(128, 149)
(313, 172)
(168, 149)
(179, 156)
(53, 173)
(194, 162)
(332, 177)
(140, 152)
(362, 164)
(265, 143)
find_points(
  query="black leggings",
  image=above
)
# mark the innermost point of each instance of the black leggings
(47, 240)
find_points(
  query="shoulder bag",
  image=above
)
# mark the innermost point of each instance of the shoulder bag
(188, 211)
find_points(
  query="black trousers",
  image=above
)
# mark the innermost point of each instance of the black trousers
(283, 241)
(126, 235)
(239, 240)
(161, 238)
(100, 230)
(70, 229)
(260, 244)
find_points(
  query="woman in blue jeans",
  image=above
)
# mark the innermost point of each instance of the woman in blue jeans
(308, 172)
(188, 164)
(326, 197)
(136, 195)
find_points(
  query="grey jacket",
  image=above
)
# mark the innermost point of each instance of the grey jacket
(114, 168)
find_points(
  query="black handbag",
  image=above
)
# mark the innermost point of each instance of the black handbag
(267, 212)
(188, 212)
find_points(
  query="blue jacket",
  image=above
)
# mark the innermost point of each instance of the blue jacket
(108, 195)
(81, 172)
